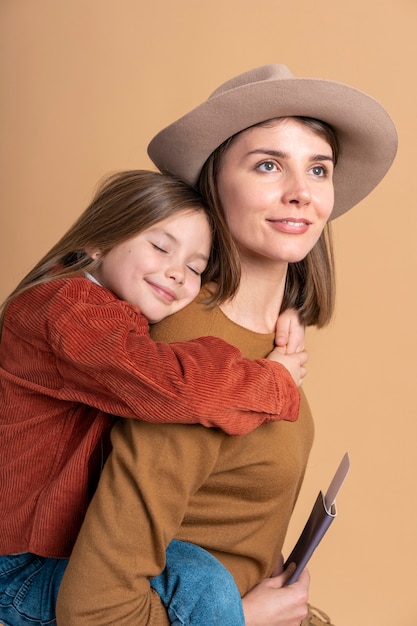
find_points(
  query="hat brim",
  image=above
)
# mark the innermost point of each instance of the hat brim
(367, 135)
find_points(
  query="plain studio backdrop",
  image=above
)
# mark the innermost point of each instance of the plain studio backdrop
(85, 84)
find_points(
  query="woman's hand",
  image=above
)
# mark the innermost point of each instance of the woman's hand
(289, 332)
(272, 604)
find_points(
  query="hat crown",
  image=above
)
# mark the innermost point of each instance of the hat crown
(261, 74)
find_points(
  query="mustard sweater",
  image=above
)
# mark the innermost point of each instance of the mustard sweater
(231, 495)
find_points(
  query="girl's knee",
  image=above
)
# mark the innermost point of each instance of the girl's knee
(198, 589)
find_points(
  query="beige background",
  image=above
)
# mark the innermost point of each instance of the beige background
(84, 86)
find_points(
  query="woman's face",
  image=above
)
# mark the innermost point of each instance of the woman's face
(276, 187)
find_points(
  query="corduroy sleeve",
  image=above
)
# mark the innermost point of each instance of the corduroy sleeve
(105, 358)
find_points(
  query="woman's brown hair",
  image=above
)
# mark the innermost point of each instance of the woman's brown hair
(310, 283)
(127, 203)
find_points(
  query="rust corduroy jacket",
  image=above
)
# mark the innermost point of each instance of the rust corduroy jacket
(71, 357)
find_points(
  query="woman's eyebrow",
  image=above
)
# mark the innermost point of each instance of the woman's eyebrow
(322, 157)
(279, 154)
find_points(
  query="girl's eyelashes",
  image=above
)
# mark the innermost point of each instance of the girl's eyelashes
(194, 270)
(199, 268)
(154, 245)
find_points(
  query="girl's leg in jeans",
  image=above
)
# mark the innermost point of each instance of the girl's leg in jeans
(197, 589)
(28, 589)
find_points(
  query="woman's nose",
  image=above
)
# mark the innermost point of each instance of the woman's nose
(296, 190)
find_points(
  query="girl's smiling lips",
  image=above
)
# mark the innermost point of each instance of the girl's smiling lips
(290, 225)
(165, 293)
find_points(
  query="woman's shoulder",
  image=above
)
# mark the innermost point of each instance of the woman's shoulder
(199, 319)
(195, 320)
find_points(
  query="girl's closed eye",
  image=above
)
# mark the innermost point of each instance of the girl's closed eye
(194, 270)
(197, 267)
(159, 248)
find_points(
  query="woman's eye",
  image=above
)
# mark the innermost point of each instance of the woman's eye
(319, 170)
(267, 166)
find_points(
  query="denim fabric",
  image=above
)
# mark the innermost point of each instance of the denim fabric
(196, 589)
(28, 589)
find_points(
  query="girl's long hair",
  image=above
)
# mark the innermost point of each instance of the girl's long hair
(310, 283)
(126, 204)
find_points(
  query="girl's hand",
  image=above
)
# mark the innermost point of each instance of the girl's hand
(295, 363)
(289, 333)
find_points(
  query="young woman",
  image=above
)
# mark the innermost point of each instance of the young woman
(280, 157)
(75, 351)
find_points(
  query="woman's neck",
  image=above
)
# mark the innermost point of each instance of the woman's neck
(257, 303)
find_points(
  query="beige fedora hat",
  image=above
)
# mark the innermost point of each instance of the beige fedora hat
(367, 135)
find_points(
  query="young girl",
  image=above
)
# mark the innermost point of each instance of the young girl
(75, 352)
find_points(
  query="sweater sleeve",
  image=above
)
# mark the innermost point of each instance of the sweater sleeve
(106, 359)
(136, 511)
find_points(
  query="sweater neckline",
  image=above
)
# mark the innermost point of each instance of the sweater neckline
(243, 328)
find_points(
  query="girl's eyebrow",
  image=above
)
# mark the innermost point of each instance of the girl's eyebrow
(203, 257)
(279, 154)
(170, 236)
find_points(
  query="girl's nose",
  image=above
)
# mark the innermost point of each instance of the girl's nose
(176, 273)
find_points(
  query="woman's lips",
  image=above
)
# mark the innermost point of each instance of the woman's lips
(292, 226)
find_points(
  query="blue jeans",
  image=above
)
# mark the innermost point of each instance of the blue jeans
(29, 588)
(195, 588)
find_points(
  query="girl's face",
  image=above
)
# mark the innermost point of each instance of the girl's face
(159, 270)
(276, 187)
